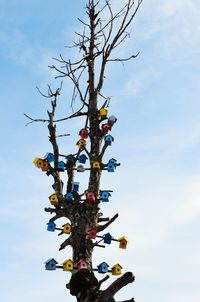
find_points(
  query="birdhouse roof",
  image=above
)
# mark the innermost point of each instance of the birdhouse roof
(51, 260)
(83, 156)
(51, 222)
(103, 263)
(116, 266)
(67, 261)
(83, 261)
(66, 224)
(123, 238)
(107, 235)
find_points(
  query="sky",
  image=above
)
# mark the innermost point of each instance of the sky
(156, 190)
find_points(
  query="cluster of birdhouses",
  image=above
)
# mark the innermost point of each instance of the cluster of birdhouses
(68, 266)
(103, 268)
(108, 238)
(66, 228)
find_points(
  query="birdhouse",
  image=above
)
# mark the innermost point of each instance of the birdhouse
(92, 234)
(105, 196)
(81, 143)
(61, 166)
(67, 228)
(103, 268)
(45, 166)
(76, 186)
(53, 199)
(116, 269)
(83, 133)
(103, 113)
(69, 197)
(123, 241)
(50, 264)
(90, 197)
(80, 168)
(38, 162)
(49, 157)
(112, 120)
(82, 264)
(105, 128)
(109, 139)
(113, 160)
(107, 238)
(96, 165)
(70, 161)
(51, 226)
(82, 159)
(68, 265)
(110, 167)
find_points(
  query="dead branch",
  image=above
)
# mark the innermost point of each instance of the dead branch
(118, 284)
(103, 227)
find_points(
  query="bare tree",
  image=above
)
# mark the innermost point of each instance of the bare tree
(103, 32)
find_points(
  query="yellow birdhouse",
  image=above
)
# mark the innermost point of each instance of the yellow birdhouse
(68, 265)
(67, 228)
(103, 113)
(81, 143)
(116, 269)
(53, 199)
(123, 241)
(96, 165)
(38, 162)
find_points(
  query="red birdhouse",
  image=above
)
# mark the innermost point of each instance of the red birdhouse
(82, 264)
(105, 128)
(83, 133)
(90, 197)
(92, 234)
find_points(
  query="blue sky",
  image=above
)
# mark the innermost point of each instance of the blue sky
(157, 141)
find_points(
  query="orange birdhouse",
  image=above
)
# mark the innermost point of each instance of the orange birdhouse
(67, 228)
(123, 241)
(45, 166)
(116, 269)
(68, 265)
(81, 143)
(103, 113)
(53, 199)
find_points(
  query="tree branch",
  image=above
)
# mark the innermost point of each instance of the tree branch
(103, 227)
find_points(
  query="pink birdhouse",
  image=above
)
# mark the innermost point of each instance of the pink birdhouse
(90, 197)
(83, 133)
(82, 264)
(92, 234)
(106, 128)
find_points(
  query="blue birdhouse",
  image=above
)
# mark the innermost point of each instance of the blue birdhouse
(50, 264)
(82, 159)
(113, 160)
(105, 196)
(111, 167)
(51, 226)
(109, 139)
(61, 166)
(69, 197)
(49, 157)
(107, 238)
(76, 186)
(103, 268)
